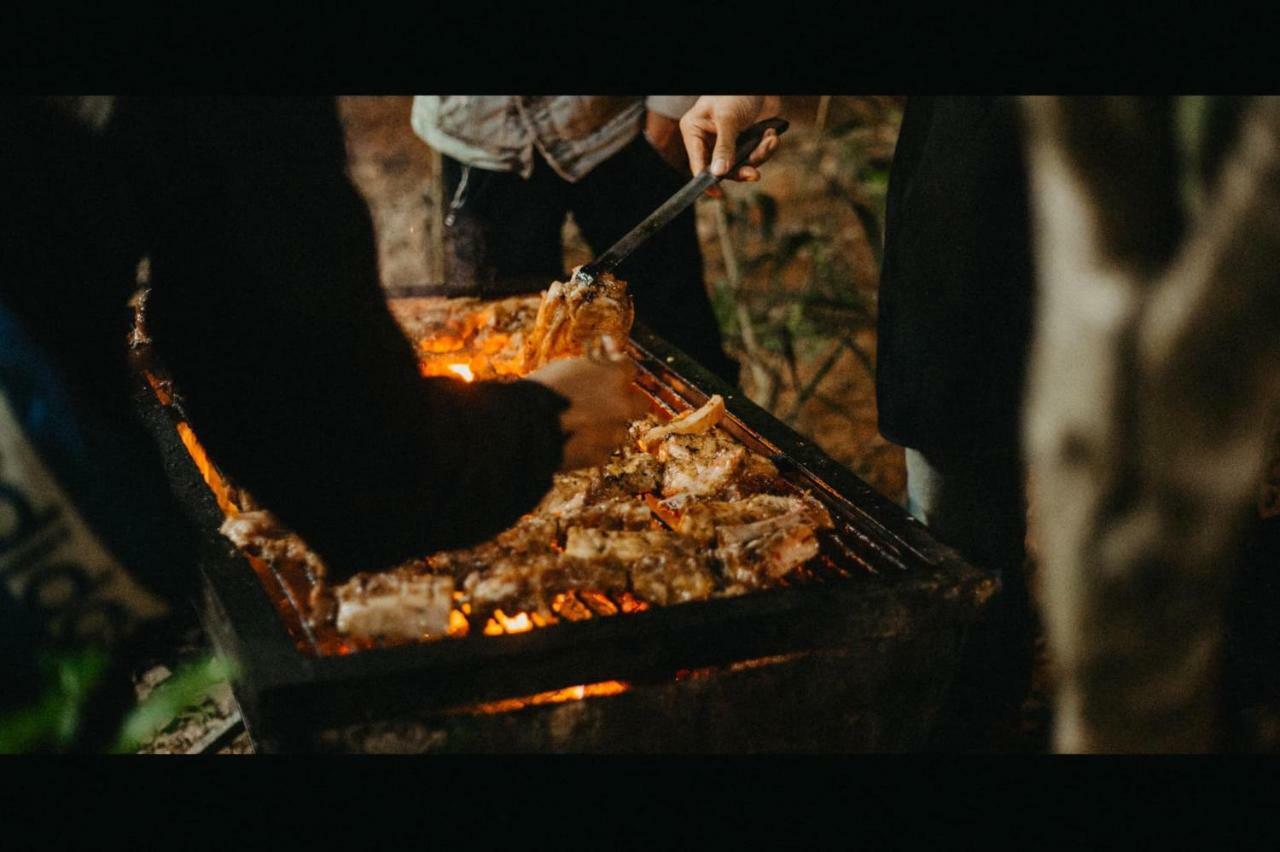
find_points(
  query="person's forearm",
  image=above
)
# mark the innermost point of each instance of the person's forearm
(670, 106)
(267, 309)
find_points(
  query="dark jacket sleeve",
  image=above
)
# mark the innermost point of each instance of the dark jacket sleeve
(956, 285)
(267, 310)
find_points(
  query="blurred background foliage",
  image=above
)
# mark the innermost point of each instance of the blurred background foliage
(794, 272)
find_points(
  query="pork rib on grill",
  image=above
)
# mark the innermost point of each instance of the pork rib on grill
(594, 531)
(404, 604)
(663, 567)
(575, 316)
(701, 521)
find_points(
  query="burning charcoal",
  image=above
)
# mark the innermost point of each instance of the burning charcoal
(598, 603)
(487, 337)
(394, 605)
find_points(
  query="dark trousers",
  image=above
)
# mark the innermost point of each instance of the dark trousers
(503, 236)
(976, 503)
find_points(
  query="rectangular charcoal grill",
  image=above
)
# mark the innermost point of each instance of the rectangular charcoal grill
(861, 644)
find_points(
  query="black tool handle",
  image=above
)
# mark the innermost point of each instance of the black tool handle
(751, 137)
(676, 204)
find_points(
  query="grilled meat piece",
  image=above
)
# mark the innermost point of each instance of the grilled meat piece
(617, 514)
(756, 554)
(465, 561)
(699, 464)
(260, 533)
(757, 475)
(693, 422)
(622, 547)
(662, 567)
(401, 604)
(575, 316)
(568, 491)
(596, 575)
(676, 574)
(514, 583)
(531, 535)
(639, 427)
(730, 535)
(625, 474)
(701, 520)
(531, 583)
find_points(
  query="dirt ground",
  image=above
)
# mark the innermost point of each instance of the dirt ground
(791, 262)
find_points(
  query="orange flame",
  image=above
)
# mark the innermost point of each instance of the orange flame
(556, 696)
(463, 371)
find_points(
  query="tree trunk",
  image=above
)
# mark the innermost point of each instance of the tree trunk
(1154, 377)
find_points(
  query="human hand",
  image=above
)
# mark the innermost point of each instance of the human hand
(602, 403)
(711, 127)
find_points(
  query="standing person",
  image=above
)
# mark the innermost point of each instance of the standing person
(1153, 393)
(955, 315)
(516, 166)
(266, 309)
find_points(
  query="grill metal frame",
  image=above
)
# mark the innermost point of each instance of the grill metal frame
(286, 695)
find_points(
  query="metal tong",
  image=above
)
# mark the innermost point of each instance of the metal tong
(675, 205)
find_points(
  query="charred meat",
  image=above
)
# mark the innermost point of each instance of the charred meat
(698, 464)
(662, 567)
(701, 520)
(780, 548)
(397, 605)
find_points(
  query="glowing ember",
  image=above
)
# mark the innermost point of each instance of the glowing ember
(463, 371)
(558, 696)
(502, 623)
(208, 472)
(458, 625)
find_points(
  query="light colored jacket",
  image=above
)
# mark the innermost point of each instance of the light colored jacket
(574, 133)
